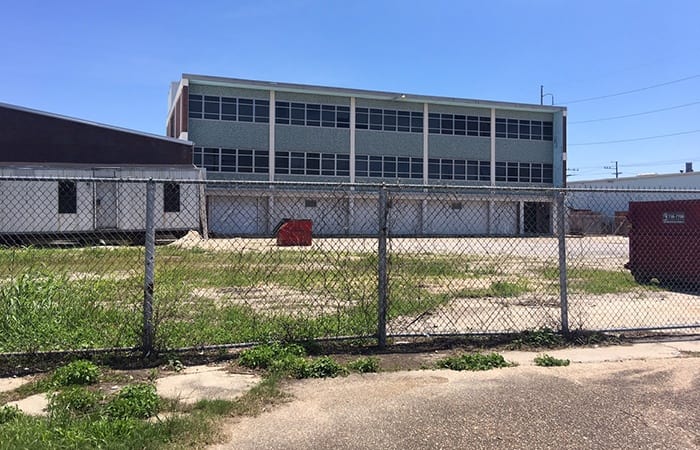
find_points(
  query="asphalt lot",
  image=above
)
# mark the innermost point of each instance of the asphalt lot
(604, 405)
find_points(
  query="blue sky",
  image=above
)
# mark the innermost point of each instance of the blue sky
(112, 61)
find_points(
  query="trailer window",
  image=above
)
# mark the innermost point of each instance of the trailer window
(171, 197)
(67, 197)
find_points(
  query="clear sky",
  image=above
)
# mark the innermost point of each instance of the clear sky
(112, 61)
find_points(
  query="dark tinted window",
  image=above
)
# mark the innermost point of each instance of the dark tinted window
(228, 108)
(361, 118)
(171, 197)
(313, 115)
(245, 110)
(282, 113)
(211, 107)
(195, 106)
(67, 197)
(298, 114)
(342, 165)
(262, 111)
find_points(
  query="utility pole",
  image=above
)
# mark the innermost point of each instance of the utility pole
(543, 95)
(617, 172)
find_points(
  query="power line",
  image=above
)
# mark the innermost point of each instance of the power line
(636, 139)
(636, 114)
(600, 97)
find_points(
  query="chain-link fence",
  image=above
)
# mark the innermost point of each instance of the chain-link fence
(103, 263)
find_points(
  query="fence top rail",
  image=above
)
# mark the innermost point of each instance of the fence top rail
(213, 184)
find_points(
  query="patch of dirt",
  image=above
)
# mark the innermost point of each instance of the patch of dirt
(271, 299)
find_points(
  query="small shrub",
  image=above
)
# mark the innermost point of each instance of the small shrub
(289, 364)
(546, 360)
(364, 365)
(73, 402)
(78, 372)
(9, 413)
(262, 356)
(475, 361)
(138, 401)
(322, 367)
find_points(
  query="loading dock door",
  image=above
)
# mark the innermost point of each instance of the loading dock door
(105, 201)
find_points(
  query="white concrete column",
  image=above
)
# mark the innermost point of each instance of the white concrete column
(425, 144)
(271, 144)
(493, 146)
(521, 217)
(352, 139)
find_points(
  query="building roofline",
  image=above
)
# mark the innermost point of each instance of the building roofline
(378, 95)
(94, 124)
(635, 178)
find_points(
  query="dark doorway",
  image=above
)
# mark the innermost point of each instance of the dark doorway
(538, 218)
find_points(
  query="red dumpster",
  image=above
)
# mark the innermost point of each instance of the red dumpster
(664, 241)
(294, 232)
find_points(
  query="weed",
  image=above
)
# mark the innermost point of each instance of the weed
(322, 367)
(263, 356)
(540, 338)
(474, 361)
(546, 360)
(73, 402)
(78, 372)
(364, 365)
(9, 413)
(138, 401)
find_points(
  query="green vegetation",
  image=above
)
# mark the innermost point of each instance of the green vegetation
(594, 281)
(473, 361)
(84, 417)
(364, 365)
(137, 401)
(9, 413)
(74, 402)
(546, 360)
(292, 360)
(539, 338)
(78, 372)
(57, 299)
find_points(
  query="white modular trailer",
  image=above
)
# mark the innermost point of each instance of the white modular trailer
(257, 212)
(83, 202)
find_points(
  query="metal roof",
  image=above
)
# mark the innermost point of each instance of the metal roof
(95, 124)
(369, 94)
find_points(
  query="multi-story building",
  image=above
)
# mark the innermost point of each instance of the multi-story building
(268, 131)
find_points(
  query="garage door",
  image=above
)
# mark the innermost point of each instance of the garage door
(237, 216)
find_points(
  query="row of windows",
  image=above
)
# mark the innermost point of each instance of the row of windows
(459, 125)
(338, 165)
(231, 160)
(336, 116)
(388, 120)
(388, 166)
(312, 115)
(68, 197)
(312, 163)
(229, 108)
(524, 129)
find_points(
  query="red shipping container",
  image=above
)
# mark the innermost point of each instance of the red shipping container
(664, 241)
(294, 232)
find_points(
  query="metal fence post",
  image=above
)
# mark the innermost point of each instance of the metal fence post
(382, 269)
(150, 247)
(563, 288)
